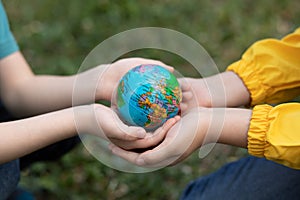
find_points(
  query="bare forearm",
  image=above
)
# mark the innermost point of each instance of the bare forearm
(236, 92)
(25, 94)
(48, 93)
(21, 137)
(227, 90)
(224, 125)
(43, 93)
(40, 94)
(236, 125)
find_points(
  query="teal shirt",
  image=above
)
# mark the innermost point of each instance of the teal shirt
(8, 43)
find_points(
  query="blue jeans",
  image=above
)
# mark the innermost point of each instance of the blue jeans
(248, 178)
(9, 178)
(10, 172)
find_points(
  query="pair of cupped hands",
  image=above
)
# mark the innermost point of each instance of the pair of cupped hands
(175, 140)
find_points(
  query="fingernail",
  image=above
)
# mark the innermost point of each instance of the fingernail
(141, 133)
(140, 161)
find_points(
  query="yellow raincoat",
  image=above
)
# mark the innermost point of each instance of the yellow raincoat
(270, 69)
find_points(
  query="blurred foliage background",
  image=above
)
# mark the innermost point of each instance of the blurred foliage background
(55, 36)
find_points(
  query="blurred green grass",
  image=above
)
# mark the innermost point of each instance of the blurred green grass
(55, 36)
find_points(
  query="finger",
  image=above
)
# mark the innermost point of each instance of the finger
(124, 132)
(185, 86)
(140, 145)
(161, 132)
(157, 62)
(113, 127)
(126, 145)
(167, 161)
(136, 158)
(150, 140)
(154, 158)
(113, 100)
(164, 154)
(186, 101)
(127, 155)
(169, 123)
(186, 96)
(184, 107)
(145, 143)
(167, 67)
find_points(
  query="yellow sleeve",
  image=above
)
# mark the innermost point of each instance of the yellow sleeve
(274, 133)
(270, 69)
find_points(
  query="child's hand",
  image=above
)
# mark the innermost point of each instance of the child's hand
(198, 127)
(102, 121)
(181, 140)
(115, 71)
(194, 94)
(149, 141)
(221, 90)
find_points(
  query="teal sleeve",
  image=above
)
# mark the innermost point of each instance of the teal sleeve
(8, 43)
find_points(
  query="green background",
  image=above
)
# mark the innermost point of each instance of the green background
(55, 36)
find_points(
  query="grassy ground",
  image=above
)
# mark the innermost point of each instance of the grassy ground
(55, 36)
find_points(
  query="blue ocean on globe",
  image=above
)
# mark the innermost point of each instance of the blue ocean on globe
(147, 96)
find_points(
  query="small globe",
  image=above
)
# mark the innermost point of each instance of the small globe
(147, 96)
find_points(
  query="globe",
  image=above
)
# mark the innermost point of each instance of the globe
(147, 96)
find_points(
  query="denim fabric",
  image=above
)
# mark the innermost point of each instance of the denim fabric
(248, 178)
(9, 178)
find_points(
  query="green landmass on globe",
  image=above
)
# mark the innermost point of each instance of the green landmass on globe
(147, 96)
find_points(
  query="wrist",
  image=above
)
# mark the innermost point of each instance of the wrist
(105, 85)
(235, 127)
(211, 123)
(84, 118)
(237, 93)
(223, 125)
(90, 86)
(196, 123)
(226, 90)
